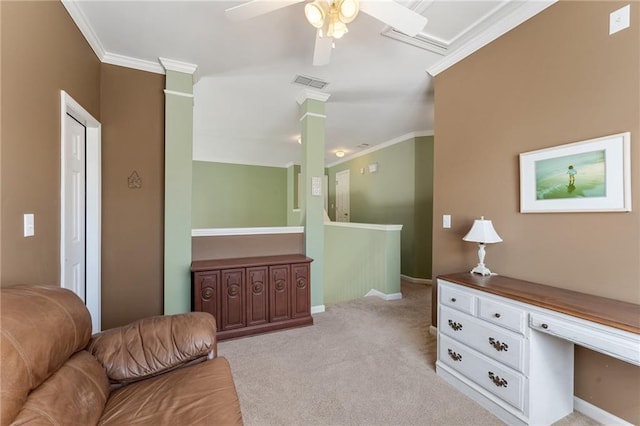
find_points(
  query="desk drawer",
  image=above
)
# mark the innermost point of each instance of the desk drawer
(501, 345)
(501, 314)
(457, 299)
(500, 381)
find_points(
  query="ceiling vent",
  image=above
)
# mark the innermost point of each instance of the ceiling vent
(363, 145)
(310, 81)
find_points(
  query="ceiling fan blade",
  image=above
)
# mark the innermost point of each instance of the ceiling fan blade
(322, 50)
(394, 14)
(255, 8)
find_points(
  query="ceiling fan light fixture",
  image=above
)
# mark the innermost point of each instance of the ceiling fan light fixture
(337, 29)
(348, 10)
(315, 13)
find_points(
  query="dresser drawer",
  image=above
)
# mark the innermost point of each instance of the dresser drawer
(501, 345)
(507, 316)
(457, 299)
(500, 381)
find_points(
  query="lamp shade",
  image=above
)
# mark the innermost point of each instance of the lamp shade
(482, 231)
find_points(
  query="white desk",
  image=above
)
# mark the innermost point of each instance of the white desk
(508, 343)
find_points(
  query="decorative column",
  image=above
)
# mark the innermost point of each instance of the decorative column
(178, 164)
(312, 105)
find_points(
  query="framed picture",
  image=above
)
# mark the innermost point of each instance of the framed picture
(588, 176)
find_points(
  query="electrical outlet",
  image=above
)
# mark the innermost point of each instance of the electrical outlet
(619, 19)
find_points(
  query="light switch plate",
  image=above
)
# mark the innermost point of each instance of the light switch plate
(619, 19)
(446, 221)
(316, 186)
(29, 228)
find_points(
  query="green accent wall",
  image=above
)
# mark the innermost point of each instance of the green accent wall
(312, 207)
(400, 192)
(237, 195)
(358, 260)
(178, 193)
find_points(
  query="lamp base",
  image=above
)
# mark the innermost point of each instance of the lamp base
(481, 269)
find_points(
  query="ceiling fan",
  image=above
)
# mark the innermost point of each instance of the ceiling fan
(331, 17)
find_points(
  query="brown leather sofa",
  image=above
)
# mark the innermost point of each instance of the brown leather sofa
(157, 371)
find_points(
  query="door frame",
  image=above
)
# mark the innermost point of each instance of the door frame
(93, 203)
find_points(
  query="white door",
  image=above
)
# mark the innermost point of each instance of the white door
(342, 196)
(80, 205)
(74, 222)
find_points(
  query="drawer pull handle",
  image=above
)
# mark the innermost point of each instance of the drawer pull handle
(455, 325)
(497, 315)
(497, 345)
(497, 380)
(454, 356)
(453, 299)
(545, 326)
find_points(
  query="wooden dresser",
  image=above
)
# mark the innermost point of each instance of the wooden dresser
(508, 343)
(253, 295)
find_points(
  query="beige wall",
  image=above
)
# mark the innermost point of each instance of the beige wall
(556, 79)
(43, 52)
(132, 106)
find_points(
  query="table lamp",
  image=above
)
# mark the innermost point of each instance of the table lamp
(482, 232)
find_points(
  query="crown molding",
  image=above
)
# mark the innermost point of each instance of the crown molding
(311, 94)
(517, 17)
(178, 66)
(129, 62)
(83, 25)
(383, 145)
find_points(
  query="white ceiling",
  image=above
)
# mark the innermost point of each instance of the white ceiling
(245, 108)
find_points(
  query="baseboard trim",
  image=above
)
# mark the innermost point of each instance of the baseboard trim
(415, 280)
(433, 330)
(384, 296)
(318, 309)
(597, 413)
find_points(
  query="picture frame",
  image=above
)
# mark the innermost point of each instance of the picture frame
(587, 176)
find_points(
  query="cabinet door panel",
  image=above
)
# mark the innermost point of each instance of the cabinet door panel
(233, 301)
(279, 293)
(300, 291)
(206, 293)
(257, 296)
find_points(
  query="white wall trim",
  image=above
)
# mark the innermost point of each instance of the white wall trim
(318, 309)
(311, 94)
(178, 66)
(526, 11)
(83, 25)
(183, 94)
(399, 139)
(93, 231)
(134, 63)
(433, 330)
(312, 114)
(384, 296)
(372, 226)
(416, 280)
(597, 413)
(216, 232)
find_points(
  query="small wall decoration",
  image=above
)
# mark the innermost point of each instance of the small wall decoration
(134, 181)
(587, 176)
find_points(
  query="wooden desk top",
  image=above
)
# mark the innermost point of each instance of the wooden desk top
(610, 312)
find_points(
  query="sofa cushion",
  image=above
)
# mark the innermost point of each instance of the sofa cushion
(200, 394)
(75, 394)
(41, 328)
(154, 345)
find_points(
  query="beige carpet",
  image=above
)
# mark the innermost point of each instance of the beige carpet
(363, 362)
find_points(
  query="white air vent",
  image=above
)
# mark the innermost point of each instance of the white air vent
(363, 145)
(310, 81)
